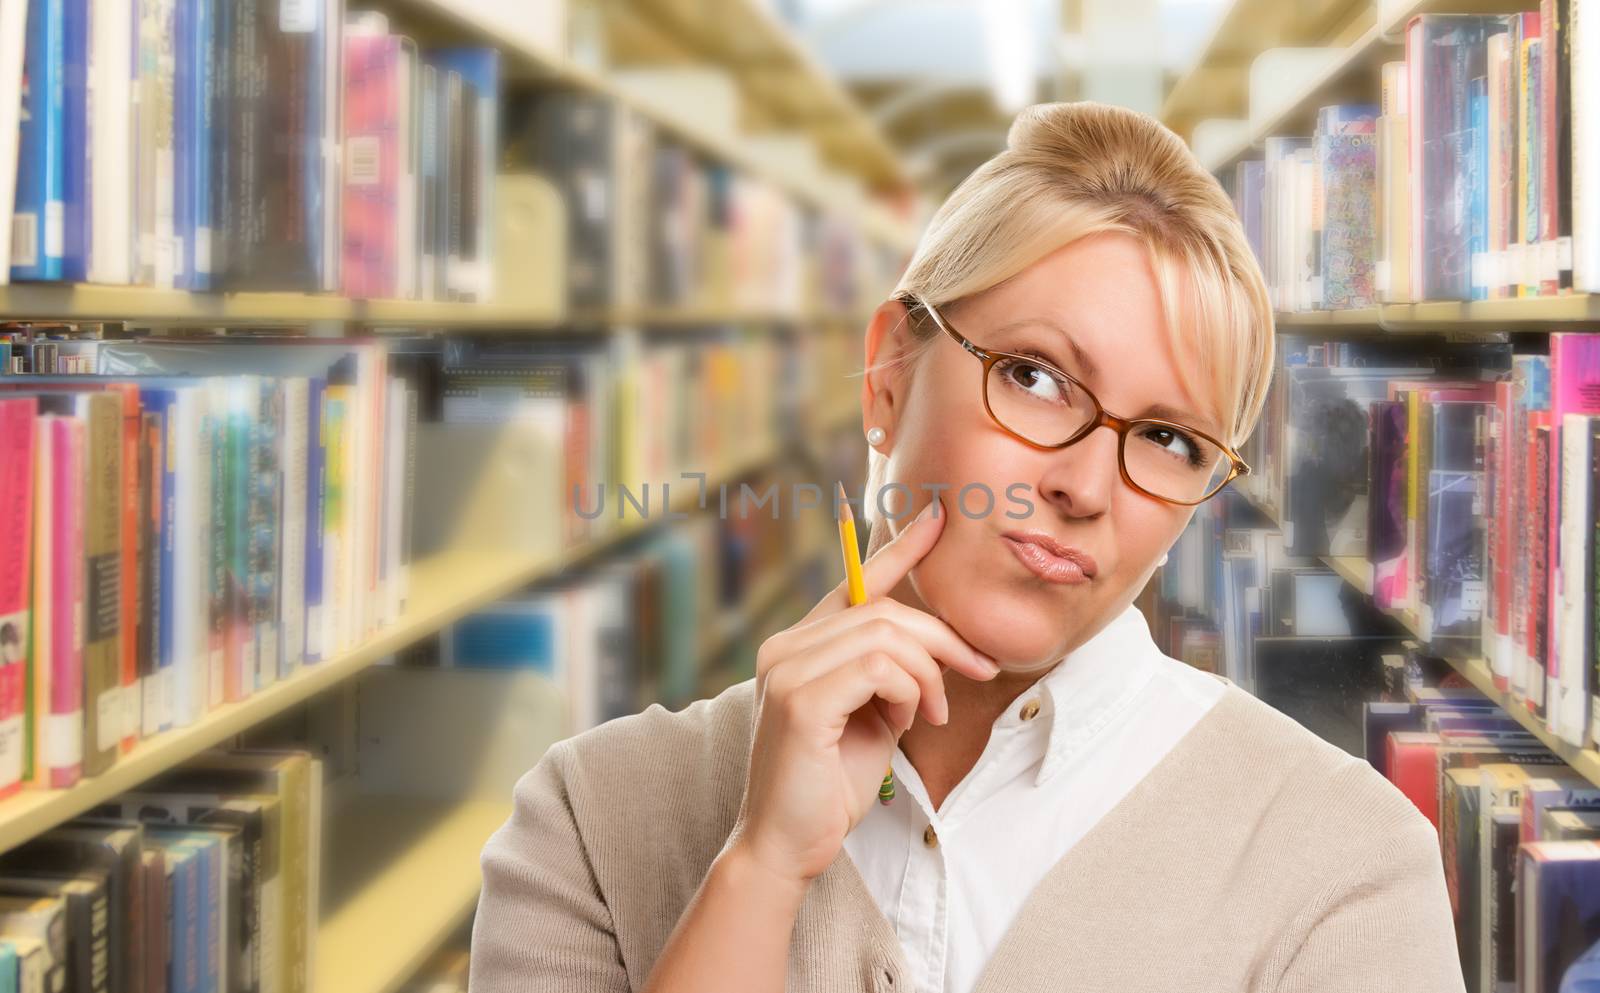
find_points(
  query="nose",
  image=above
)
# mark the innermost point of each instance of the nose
(1080, 478)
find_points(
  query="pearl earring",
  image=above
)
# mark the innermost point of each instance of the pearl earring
(1163, 560)
(875, 436)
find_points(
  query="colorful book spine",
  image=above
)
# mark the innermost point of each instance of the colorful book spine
(316, 519)
(372, 106)
(38, 223)
(77, 133)
(17, 429)
(102, 581)
(64, 733)
(194, 89)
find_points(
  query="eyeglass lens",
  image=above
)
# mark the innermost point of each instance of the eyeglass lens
(1163, 459)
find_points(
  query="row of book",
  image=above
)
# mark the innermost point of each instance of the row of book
(1463, 476)
(622, 425)
(1519, 834)
(208, 145)
(650, 222)
(1473, 178)
(186, 527)
(206, 880)
(638, 627)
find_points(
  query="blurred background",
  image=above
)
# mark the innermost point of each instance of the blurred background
(379, 386)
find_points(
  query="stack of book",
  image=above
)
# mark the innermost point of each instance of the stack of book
(188, 527)
(207, 879)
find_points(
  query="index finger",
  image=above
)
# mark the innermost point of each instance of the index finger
(886, 567)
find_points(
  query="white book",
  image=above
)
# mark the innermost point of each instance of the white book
(294, 452)
(111, 76)
(1571, 706)
(13, 29)
(394, 487)
(1583, 27)
(190, 445)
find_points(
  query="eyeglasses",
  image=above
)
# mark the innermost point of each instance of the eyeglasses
(1039, 404)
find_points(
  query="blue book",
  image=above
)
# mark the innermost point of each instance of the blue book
(75, 171)
(38, 223)
(316, 511)
(1478, 187)
(184, 885)
(208, 909)
(8, 967)
(160, 403)
(194, 98)
(317, 163)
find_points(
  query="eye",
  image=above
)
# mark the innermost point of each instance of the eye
(1180, 444)
(1038, 381)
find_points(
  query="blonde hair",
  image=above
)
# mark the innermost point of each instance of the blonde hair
(1070, 170)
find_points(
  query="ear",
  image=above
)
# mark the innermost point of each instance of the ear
(888, 342)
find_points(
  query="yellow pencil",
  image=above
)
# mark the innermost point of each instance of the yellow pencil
(858, 595)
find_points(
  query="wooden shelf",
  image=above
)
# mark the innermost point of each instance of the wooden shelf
(401, 874)
(442, 588)
(1217, 85)
(1510, 311)
(1364, 318)
(145, 305)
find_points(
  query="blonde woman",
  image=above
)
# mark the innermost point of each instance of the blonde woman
(1075, 810)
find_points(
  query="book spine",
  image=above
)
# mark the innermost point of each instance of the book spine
(102, 569)
(110, 255)
(65, 733)
(293, 456)
(371, 189)
(316, 518)
(38, 223)
(36, 764)
(17, 430)
(128, 627)
(265, 513)
(79, 151)
(1584, 48)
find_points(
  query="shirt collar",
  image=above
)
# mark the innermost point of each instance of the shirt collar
(1086, 690)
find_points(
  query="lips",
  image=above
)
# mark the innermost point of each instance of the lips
(1049, 559)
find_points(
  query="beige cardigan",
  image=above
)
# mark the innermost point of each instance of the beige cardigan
(1254, 857)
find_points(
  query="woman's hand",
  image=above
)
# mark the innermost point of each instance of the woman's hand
(834, 693)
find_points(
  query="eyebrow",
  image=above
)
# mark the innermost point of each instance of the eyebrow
(1091, 370)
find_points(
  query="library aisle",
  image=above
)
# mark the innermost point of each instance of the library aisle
(383, 386)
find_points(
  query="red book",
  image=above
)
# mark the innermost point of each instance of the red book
(1414, 769)
(372, 148)
(1574, 389)
(16, 543)
(64, 725)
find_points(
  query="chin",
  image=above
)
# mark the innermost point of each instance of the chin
(1022, 627)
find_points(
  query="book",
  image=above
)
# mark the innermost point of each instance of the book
(17, 433)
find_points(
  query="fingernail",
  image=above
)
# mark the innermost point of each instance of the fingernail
(993, 666)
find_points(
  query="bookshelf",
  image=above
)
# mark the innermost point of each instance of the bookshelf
(443, 588)
(401, 875)
(1358, 573)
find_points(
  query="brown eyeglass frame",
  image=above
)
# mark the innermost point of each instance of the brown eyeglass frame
(1120, 425)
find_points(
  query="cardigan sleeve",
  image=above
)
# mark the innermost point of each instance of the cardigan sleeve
(542, 922)
(1384, 925)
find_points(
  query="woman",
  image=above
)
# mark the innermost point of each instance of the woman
(1075, 810)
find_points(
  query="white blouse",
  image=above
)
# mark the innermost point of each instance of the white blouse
(1061, 756)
